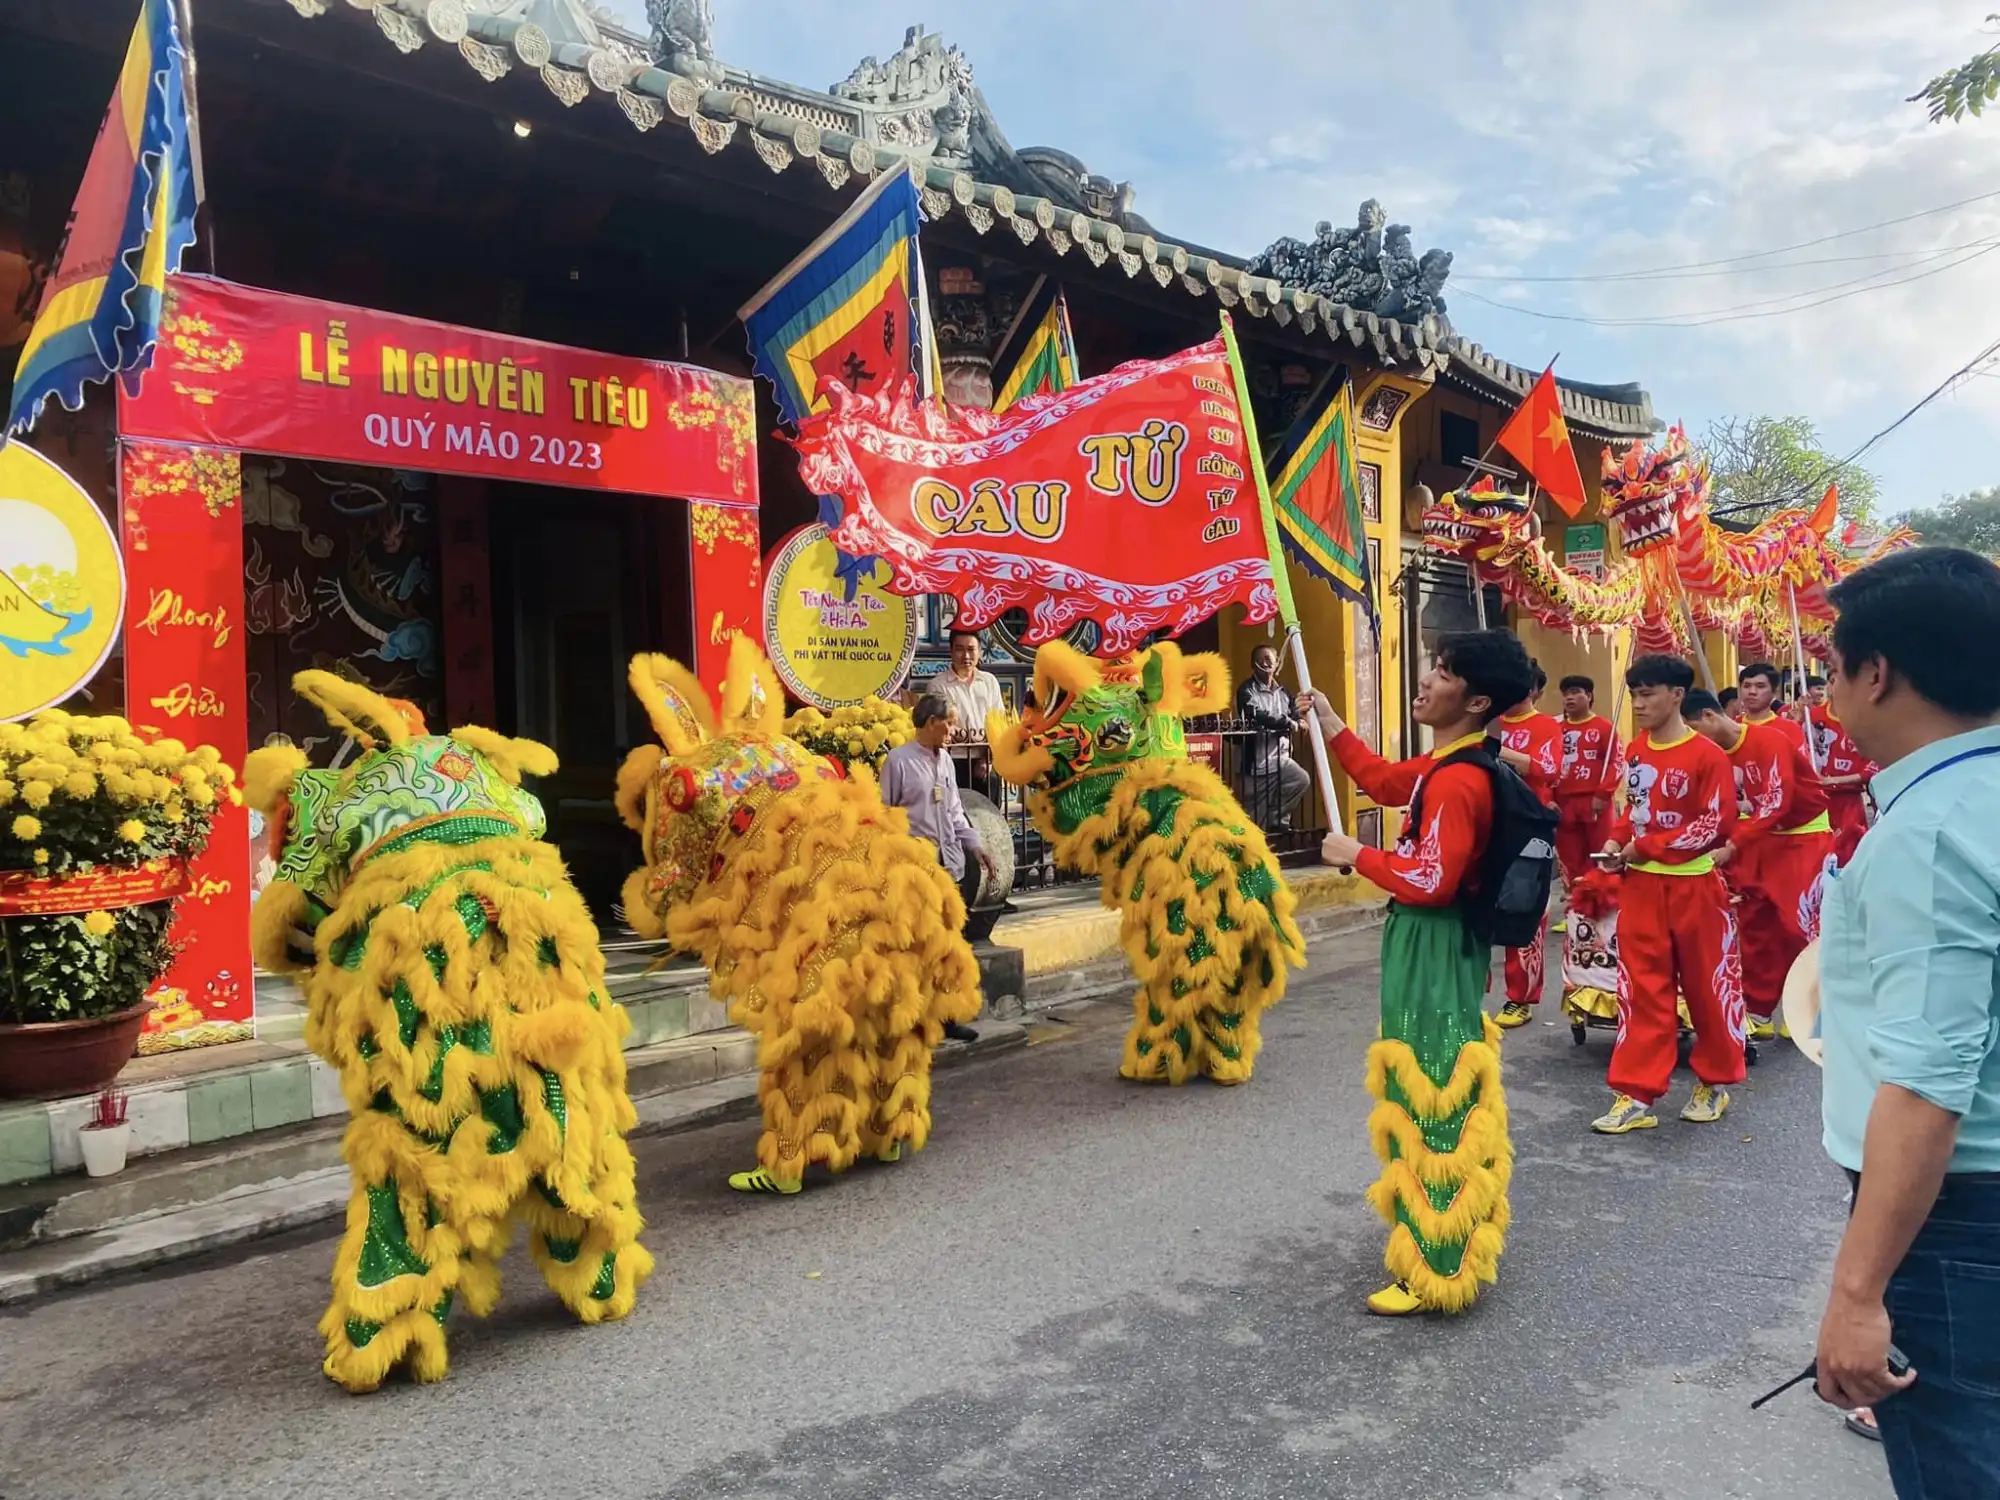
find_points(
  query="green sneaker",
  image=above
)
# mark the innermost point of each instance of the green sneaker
(761, 1181)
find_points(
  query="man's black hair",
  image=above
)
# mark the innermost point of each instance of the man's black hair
(1659, 671)
(1813, 680)
(1700, 701)
(1541, 679)
(1726, 697)
(1931, 614)
(1493, 664)
(1576, 682)
(971, 635)
(1765, 670)
(930, 707)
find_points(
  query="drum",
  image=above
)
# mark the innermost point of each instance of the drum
(1801, 1003)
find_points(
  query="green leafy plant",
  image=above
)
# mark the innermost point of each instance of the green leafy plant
(1966, 89)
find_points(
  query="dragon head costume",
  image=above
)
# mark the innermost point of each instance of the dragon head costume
(833, 935)
(454, 982)
(1206, 917)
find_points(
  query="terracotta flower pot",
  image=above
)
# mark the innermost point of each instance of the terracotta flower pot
(52, 1059)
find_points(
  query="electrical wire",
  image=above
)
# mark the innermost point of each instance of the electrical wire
(1732, 260)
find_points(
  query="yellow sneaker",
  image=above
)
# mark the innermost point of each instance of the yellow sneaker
(891, 1153)
(1513, 1014)
(1559, 926)
(1395, 1300)
(1763, 1029)
(1706, 1104)
(1625, 1116)
(761, 1181)
(1784, 1029)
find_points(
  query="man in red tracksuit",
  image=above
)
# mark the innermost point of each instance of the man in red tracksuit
(1593, 765)
(1757, 689)
(1532, 743)
(1777, 857)
(1845, 773)
(1676, 926)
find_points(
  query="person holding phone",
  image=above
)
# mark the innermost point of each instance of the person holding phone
(1910, 1019)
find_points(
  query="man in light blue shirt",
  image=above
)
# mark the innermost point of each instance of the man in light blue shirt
(1910, 1016)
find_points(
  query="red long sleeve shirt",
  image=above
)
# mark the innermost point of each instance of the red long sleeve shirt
(1388, 783)
(1791, 729)
(1838, 755)
(1540, 738)
(1431, 862)
(1681, 803)
(1776, 779)
(1592, 759)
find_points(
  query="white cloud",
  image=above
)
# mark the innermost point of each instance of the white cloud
(1537, 137)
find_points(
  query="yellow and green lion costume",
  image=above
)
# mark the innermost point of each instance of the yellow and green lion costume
(1206, 917)
(832, 934)
(453, 980)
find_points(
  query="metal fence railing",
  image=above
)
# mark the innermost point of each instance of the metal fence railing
(1293, 826)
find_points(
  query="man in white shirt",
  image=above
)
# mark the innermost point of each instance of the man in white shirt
(919, 778)
(971, 692)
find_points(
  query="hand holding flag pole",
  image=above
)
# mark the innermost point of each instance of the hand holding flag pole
(1281, 582)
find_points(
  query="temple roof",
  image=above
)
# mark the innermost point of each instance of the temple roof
(922, 105)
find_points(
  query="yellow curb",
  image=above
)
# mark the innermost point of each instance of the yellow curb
(1087, 935)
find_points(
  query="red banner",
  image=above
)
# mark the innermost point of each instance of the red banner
(726, 583)
(185, 678)
(27, 895)
(267, 372)
(1126, 500)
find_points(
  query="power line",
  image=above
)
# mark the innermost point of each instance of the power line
(1740, 313)
(1730, 260)
(1741, 270)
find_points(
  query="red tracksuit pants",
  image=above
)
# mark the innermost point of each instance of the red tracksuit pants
(1676, 938)
(1581, 834)
(1526, 968)
(1850, 821)
(1778, 878)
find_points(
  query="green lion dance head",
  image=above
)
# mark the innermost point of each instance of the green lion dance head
(1092, 720)
(406, 787)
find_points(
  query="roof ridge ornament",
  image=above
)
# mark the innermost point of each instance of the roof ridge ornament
(1371, 267)
(921, 100)
(684, 37)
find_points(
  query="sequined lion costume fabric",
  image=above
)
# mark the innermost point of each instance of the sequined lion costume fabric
(453, 979)
(830, 932)
(1206, 919)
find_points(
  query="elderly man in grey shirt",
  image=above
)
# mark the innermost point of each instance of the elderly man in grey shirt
(920, 779)
(1272, 781)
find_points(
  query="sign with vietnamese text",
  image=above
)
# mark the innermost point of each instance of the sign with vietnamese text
(62, 584)
(832, 646)
(1126, 499)
(267, 372)
(185, 679)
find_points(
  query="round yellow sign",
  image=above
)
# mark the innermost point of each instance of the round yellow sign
(62, 584)
(832, 648)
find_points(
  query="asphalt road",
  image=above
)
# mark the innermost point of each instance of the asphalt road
(1083, 1288)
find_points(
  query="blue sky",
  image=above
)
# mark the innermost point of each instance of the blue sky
(1546, 138)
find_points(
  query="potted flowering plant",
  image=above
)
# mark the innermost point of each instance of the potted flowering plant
(97, 825)
(860, 734)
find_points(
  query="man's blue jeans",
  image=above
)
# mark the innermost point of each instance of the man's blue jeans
(1942, 1435)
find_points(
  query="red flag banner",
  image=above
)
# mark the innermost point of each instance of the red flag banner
(1126, 499)
(1538, 436)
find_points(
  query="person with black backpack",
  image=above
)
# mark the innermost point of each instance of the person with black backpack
(1472, 869)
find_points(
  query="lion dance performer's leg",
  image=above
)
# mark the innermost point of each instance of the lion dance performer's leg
(1207, 926)
(1440, 1127)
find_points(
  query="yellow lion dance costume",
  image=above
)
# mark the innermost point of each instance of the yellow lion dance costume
(832, 934)
(454, 980)
(1207, 919)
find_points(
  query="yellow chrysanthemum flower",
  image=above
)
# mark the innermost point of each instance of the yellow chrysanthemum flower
(176, 810)
(8, 791)
(131, 830)
(98, 924)
(120, 786)
(41, 856)
(200, 794)
(80, 786)
(36, 794)
(26, 827)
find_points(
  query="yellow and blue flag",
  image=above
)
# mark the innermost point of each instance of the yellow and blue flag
(1046, 364)
(846, 309)
(1316, 497)
(132, 221)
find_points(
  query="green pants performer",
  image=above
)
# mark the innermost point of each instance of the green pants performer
(1440, 1121)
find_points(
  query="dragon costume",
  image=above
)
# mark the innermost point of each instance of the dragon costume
(831, 933)
(453, 980)
(1206, 919)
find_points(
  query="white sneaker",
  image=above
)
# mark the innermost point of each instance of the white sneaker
(1625, 1116)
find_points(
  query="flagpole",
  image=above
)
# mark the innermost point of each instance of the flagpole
(1281, 582)
(1799, 674)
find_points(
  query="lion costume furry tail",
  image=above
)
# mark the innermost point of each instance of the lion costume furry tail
(832, 934)
(454, 981)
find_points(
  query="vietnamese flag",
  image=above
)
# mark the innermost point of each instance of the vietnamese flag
(1538, 437)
